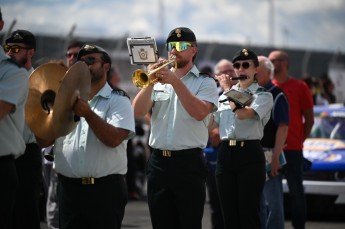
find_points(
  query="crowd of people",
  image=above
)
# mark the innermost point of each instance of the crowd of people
(242, 110)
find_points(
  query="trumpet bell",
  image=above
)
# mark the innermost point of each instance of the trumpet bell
(140, 78)
(44, 83)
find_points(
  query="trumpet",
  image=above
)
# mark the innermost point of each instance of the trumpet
(141, 79)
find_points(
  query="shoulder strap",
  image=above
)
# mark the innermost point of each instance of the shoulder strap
(121, 92)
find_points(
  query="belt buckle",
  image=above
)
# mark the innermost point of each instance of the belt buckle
(232, 142)
(166, 153)
(87, 180)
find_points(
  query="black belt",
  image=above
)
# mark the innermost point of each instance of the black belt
(240, 143)
(176, 153)
(90, 180)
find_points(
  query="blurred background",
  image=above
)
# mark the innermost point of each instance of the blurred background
(312, 32)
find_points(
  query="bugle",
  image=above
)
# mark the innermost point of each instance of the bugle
(141, 78)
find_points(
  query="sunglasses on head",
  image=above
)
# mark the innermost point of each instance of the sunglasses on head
(245, 65)
(74, 54)
(90, 60)
(14, 48)
(179, 46)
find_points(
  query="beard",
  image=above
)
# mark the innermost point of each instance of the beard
(20, 61)
(182, 63)
(96, 75)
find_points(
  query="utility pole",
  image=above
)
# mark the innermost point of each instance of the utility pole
(271, 23)
(160, 18)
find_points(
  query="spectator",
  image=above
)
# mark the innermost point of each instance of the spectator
(301, 121)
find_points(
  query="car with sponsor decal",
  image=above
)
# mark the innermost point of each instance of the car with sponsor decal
(324, 180)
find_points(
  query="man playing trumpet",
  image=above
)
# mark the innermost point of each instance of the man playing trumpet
(181, 103)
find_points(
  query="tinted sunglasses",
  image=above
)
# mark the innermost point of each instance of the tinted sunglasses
(13, 48)
(245, 65)
(74, 54)
(179, 46)
(90, 60)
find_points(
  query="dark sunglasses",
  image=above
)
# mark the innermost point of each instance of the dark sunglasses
(14, 48)
(245, 65)
(90, 60)
(69, 55)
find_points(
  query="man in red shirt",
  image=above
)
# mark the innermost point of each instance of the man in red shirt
(301, 122)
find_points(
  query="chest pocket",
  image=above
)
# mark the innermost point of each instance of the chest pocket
(161, 99)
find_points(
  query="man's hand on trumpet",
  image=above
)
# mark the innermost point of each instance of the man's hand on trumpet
(164, 75)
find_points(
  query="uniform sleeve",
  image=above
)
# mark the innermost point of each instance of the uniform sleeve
(13, 83)
(262, 104)
(208, 92)
(121, 114)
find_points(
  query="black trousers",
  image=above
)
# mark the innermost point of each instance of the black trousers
(240, 176)
(89, 206)
(27, 204)
(9, 183)
(176, 189)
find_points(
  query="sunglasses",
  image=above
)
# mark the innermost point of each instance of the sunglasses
(14, 48)
(69, 55)
(90, 60)
(179, 46)
(245, 65)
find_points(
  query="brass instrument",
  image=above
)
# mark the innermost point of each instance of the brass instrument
(141, 79)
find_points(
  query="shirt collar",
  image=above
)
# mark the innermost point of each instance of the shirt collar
(105, 91)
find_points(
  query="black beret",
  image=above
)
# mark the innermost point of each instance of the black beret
(181, 34)
(22, 36)
(246, 54)
(89, 48)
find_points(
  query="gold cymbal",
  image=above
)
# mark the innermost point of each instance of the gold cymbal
(77, 82)
(44, 83)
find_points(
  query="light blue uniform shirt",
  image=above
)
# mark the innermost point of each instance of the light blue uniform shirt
(172, 128)
(231, 127)
(14, 90)
(28, 135)
(81, 154)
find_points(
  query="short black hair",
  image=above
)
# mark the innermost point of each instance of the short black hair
(0, 15)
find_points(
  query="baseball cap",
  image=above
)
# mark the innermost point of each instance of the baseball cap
(90, 48)
(181, 34)
(22, 36)
(246, 54)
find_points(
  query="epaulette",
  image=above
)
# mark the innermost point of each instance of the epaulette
(260, 89)
(121, 92)
(205, 74)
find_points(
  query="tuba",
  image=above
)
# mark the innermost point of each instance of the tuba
(141, 78)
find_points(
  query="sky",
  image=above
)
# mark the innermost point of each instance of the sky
(298, 24)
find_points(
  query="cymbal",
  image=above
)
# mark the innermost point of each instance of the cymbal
(44, 83)
(77, 82)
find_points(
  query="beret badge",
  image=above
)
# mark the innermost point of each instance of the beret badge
(178, 33)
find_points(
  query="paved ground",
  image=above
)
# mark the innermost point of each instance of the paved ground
(137, 216)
